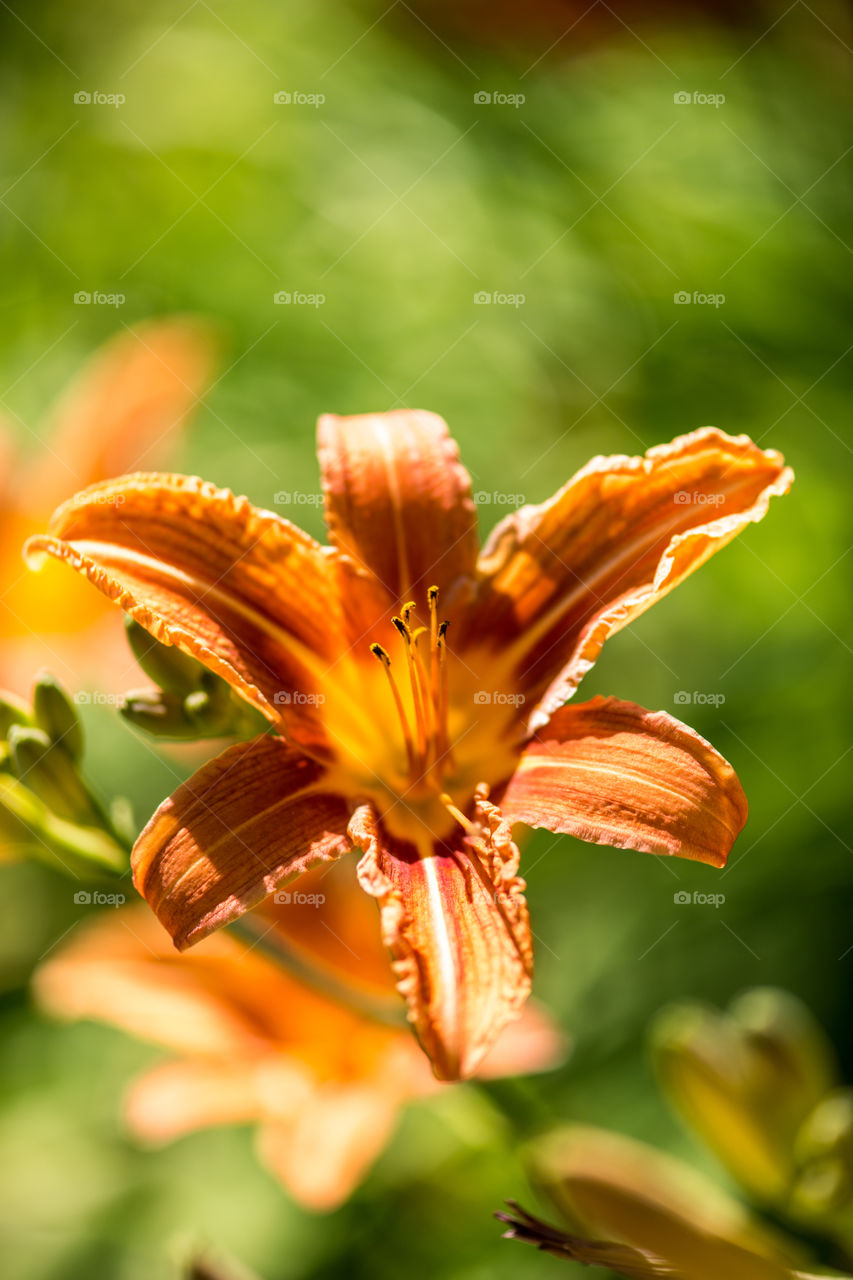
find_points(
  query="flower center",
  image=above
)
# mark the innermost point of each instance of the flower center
(413, 728)
(424, 725)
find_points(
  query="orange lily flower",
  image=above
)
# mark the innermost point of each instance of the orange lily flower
(122, 411)
(323, 1083)
(419, 748)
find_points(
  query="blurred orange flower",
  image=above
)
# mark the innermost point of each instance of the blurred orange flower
(392, 741)
(323, 1082)
(123, 410)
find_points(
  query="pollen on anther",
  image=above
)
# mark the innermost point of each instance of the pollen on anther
(380, 653)
(401, 627)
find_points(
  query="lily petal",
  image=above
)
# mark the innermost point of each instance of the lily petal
(559, 578)
(176, 1098)
(398, 501)
(534, 1043)
(245, 592)
(455, 921)
(323, 1153)
(255, 816)
(225, 1002)
(612, 773)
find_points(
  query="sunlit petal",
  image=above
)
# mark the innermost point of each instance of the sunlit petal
(242, 590)
(559, 578)
(398, 501)
(455, 921)
(612, 773)
(244, 823)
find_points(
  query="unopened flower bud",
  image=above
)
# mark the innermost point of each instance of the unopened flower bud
(168, 666)
(744, 1080)
(159, 713)
(49, 772)
(56, 715)
(824, 1155)
(13, 710)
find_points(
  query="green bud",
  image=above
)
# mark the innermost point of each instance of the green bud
(824, 1155)
(54, 712)
(81, 851)
(212, 709)
(121, 819)
(608, 1187)
(800, 1065)
(13, 710)
(50, 773)
(709, 1076)
(166, 665)
(161, 714)
(745, 1080)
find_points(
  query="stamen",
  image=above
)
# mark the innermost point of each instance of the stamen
(470, 828)
(442, 700)
(381, 654)
(432, 597)
(424, 723)
(417, 692)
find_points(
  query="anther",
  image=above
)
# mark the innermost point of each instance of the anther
(380, 653)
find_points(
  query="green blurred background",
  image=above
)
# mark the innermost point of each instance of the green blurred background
(399, 199)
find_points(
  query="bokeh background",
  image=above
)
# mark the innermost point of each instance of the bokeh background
(582, 199)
